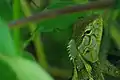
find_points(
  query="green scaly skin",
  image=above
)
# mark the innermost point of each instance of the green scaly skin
(84, 46)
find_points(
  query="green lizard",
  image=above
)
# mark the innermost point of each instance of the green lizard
(84, 46)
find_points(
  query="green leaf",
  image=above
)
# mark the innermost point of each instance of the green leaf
(26, 69)
(28, 55)
(59, 22)
(115, 35)
(6, 9)
(6, 43)
(62, 36)
(6, 73)
(81, 1)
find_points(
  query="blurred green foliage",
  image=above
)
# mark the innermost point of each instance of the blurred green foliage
(55, 34)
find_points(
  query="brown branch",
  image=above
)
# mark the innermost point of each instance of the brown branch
(102, 4)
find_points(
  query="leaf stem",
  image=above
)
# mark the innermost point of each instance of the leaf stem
(16, 31)
(37, 41)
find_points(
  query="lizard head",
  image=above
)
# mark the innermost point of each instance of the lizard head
(87, 35)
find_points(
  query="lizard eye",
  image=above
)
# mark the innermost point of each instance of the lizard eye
(88, 32)
(87, 51)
